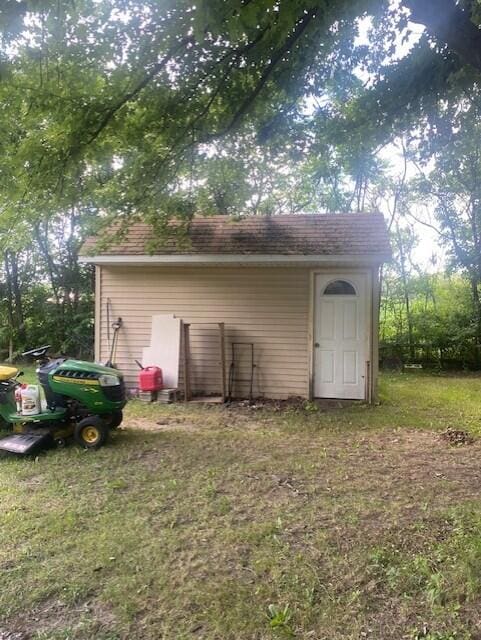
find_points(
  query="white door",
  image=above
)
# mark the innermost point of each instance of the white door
(340, 336)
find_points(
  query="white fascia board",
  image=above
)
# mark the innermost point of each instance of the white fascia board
(237, 259)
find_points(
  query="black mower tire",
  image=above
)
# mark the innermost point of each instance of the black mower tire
(91, 432)
(114, 419)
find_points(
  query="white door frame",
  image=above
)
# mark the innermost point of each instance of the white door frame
(334, 274)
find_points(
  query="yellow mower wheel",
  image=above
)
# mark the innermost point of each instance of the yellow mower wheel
(91, 432)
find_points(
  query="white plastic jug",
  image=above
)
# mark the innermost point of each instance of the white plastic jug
(30, 400)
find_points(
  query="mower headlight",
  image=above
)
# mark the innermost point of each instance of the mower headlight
(107, 380)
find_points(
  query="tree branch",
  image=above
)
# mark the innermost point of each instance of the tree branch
(450, 24)
(174, 153)
(274, 61)
(236, 56)
(131, 95)
(410, 214)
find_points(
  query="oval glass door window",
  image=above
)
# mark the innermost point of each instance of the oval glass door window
(339, 288)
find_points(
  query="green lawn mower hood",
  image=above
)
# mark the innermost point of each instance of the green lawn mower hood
(98, 388)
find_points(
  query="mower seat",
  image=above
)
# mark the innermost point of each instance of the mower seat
(7, 372)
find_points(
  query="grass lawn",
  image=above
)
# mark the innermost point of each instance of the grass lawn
(248, 524)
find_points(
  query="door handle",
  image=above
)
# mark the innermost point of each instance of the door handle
(317, 345)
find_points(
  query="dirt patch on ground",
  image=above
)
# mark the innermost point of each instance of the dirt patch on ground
(165, 424)
(294, 403)
(387, 465)
(420, 457)
(223, 419)
(412, 472)
(381, 483)
(393, 462)
(245, 413)
(7, 635)
(54, 616)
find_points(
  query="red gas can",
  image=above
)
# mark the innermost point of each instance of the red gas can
(150, 379)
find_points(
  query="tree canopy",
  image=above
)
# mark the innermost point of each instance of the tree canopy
(107, 105)
(164, 108)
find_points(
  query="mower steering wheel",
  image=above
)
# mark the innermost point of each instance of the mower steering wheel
(39, 352)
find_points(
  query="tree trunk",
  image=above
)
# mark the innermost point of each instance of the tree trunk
(407, 301)
(477, 316)
(41, 236)
(15, 295)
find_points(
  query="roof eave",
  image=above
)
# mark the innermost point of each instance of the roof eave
(234, 259)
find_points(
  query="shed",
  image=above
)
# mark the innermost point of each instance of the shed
(302, 291)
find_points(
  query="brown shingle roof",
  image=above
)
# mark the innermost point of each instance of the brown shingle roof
(319, 234)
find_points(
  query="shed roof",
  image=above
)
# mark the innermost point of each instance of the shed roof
(362, 234)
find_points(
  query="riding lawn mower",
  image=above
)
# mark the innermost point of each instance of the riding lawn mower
(82, 400)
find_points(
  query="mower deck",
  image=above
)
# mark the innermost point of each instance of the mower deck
(45, 416)
(35, 433)
(26, 443)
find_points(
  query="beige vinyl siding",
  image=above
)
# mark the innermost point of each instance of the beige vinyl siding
(268, 306)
